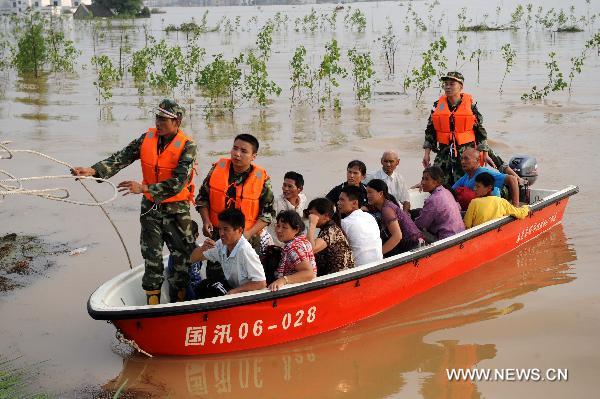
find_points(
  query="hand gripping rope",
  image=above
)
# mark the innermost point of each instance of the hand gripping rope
(7, 187)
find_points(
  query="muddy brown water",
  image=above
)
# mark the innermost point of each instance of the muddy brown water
(536, 307)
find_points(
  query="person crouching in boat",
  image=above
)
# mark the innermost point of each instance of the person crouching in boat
(360, 227)
(331, 248)
(398, 231)
(240, 263)
(440, 216)
(488, 207)
(167, 157)
(470, 164)
(297, 262)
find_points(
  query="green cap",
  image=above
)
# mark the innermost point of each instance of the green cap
(457, 76)
(169, 109)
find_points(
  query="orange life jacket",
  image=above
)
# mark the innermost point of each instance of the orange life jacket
(464, 119)
(247, 195)
(159, 167)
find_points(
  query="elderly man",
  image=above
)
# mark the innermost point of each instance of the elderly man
(470, 164)
(394, 180)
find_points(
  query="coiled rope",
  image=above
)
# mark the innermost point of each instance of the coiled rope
(57, 193)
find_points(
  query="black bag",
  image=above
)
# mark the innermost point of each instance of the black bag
(270, 261)
(209, 288)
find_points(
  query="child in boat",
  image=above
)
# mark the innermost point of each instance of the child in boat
(486, 207)
(240, 262)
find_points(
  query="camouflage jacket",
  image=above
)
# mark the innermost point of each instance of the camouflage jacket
(159, 191)
(266, 211)
(480, 132)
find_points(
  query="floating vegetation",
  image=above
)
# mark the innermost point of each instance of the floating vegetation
(23, 257)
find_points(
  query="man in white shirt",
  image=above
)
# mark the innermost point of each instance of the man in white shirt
(240, 262)
(394, 180)
(360, 227)
(292, 197)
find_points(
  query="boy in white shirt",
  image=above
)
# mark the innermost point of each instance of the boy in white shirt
(240, 262)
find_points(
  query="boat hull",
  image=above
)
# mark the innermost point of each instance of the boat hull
(274, 318)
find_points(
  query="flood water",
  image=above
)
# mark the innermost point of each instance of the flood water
(536, 307)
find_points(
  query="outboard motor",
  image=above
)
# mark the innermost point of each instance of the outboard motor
(525, 166)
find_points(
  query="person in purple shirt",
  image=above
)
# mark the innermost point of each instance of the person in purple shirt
(470, 164)
(440, 216)
(398, 231)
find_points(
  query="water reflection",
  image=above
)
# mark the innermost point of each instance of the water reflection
(382, 356)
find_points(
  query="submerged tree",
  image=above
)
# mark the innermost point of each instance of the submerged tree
(31, 52)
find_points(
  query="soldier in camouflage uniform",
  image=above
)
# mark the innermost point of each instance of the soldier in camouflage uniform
(169, 222)
(446, 158)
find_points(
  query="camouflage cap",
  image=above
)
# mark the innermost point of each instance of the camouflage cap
(457, 76)
(169, 109)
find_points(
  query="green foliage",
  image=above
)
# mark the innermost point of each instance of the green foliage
(106, 76)
(329, 72)
(14, 380)
(529, 18)
(434, 63)
(461, 39)
(256, 81)
(62, 53)
(308, 23)
(31, 52)
(219, 82)
(41, 45)
(301, 76)
(577, 62)
(264, 41)
(363, 75)
(355, 21)
(508, 55)
(170, 60)
(477, 55)
(516, 17)
(555, 81)
(257, 85)
(139, 68)
(389, 46)
(123, 7)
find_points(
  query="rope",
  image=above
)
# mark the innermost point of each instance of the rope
(6, 189)
(121, 338)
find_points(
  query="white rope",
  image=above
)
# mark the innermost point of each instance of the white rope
(6, 189)
(43, 193)
(121, 338)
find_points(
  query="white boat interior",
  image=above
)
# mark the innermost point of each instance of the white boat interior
(124, 292)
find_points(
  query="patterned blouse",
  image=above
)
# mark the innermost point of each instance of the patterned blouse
(337, 255)
(294, 252)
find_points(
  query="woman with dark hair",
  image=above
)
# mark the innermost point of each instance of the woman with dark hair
(297, 262)
(398, 231)
(440, 216)
(331, 248)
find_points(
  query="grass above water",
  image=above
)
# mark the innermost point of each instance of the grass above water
(14, 381)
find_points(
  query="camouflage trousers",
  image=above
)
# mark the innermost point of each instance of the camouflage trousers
(450, 163)
(175, 230)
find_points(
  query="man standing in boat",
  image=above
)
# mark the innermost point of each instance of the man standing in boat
(236, 182)
(454, 124)
(167, 157)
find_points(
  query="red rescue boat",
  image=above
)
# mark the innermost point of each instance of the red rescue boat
(262, 318)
